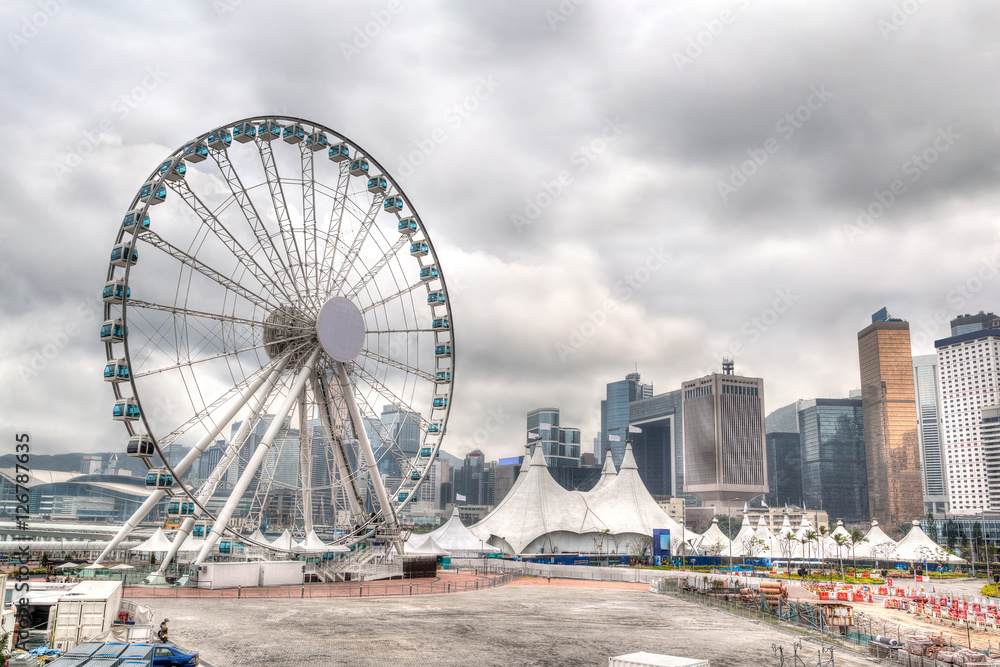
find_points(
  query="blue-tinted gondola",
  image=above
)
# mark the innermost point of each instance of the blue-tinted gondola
(339, 152)
(175, 174)
(121, 255)
(407, 226)
(293, 134)
(116, 370)
(403, 495)
(434, 428)
(126, 410)
(428, 273)
(195, 152)
(442, 376)
(268, 130)
(419, 249)
(113, 331)
(359, 167)
(244, 132)
(115, 291)
(159, 478)
(132, 216)
(440, 323)
(442, 351)
(436, 298)
(377, 184)
(317, 141)
(152, 193)
(393, 205)
(441, 402)
(220, 139)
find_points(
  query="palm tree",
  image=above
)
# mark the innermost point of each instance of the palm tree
(856, 537)
(785, 542)
(840, 540)
(823, 532)
(809, 536)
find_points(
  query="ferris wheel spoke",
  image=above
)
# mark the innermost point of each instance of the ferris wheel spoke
(378, 266)
(157, 242)
(401, 331)
(192, 362)
(267, 281)
(249, 210)
(392, 363)
(275, 188)
(327, 408)
(359, 241)
(187, 312)
(309, 218)
(391, 396)
(333, 240)
(226, 396)
(401, 293)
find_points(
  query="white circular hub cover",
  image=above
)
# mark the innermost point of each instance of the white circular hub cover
(341, 329)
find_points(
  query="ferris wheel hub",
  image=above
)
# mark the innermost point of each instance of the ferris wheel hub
(340, 328)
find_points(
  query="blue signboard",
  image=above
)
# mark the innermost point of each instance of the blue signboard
(661, 543)
(510, 461)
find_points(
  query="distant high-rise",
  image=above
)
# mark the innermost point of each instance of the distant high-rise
(784, 469)
(991, 449)
(615, 415)
(964, 324)
(925, 382)
(832, 445)
(470, 480)
(892, 448)
(561, 445)
(723, 425)
(969, 367)
(657, 447)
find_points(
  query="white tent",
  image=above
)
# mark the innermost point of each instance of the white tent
(714, 542)
(425, 547)
(258, 537)
(739, 542)
(876, 544)
(284, 541)
(608, 473)
(191, 543)
(539, 516)
(157, 542)
(768, 547)
(312, 544)
(455, 538)
(916, 547)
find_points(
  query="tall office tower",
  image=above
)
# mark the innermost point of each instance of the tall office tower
(991, 451)
(925, 382)
(892, 448)
(784, 469)
(470, 479)
(396, 434)
(834, 475)
(561, 445)
(968, 323)
(656, 447)
(969, 369)
(615, 415)
(723, 424)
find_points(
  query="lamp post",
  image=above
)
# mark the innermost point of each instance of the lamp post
(729, 524)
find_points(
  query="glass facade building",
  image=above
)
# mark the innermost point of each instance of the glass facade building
(784, 469)
(657, 449)
(925, 383)
(892, 447)
(561, 445)
(991, 452)
(832, 449)
(615, 415)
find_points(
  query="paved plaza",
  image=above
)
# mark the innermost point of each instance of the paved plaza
(566, 623)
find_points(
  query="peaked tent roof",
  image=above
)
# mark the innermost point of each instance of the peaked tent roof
(157, 542)
(840, 530)
(764, 534)
(917, 546)
(608, 472)
(426, 547)
(874, 541)
(191, 543)
(714, 541)
(746, 532)
(454, 536)
(312, 544)
(258, 537)
(284, 541)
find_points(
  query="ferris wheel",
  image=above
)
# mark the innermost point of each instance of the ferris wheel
(271, 292)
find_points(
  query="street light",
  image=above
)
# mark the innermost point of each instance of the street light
(729, 525)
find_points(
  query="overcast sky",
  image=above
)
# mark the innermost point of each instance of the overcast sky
(606, 184)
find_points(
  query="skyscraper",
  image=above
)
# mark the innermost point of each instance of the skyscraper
(832, 445)
(925, 382)
(784, 469)
(892, 448)
(968, 323)
(657, 447)
(561, 445)
(991, 449)
(723, 423)
(615, 414)
(969, 366)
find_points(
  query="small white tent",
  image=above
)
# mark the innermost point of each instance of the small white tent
(157, 542)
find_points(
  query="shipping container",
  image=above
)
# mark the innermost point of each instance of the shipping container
(88, 609)
(654, 660)
(249, 575)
